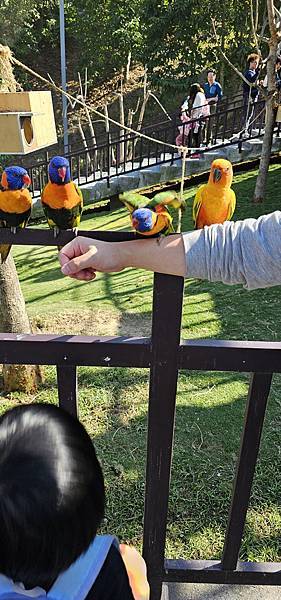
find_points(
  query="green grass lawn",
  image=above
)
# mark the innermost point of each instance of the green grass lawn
(210, 406)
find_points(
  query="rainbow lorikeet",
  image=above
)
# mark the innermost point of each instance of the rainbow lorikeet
(151, 216)
(15, 202)
(61, 198)
(215, 201)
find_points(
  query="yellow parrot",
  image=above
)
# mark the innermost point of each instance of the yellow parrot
(215, 201)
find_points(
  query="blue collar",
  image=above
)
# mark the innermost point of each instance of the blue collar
(74, 584)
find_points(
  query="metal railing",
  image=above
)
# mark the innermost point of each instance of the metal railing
(164, 354)
(131, 153)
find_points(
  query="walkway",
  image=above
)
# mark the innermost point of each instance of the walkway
(163, 172)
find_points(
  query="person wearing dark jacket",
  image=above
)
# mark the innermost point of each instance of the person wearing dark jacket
(250, 94)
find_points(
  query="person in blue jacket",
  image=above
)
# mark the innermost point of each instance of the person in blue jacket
(212, 88)
(213, 93)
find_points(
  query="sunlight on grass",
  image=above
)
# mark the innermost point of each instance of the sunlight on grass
(210, 406)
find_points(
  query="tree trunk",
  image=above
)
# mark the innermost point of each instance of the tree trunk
(259, 193)
(260, 188)
(14, 319)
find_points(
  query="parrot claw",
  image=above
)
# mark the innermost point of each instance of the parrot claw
(75, 231)
(56, 231)
(13, 230)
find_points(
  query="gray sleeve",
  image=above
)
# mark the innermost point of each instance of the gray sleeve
(247, 252)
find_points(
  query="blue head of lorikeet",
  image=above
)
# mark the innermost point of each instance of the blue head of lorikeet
(143, 219)
(15, 178)
(59, 170)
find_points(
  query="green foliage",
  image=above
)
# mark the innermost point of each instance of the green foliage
(180, 42)
(26, 25)
(173, 37)
(107, 31)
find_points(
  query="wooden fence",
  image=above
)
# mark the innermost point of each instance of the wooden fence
(164, 354)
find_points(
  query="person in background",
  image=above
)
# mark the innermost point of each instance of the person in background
(250, 95)
(199, 110)
(213, 93)
(184, 129)
(52, 504)
(212, 88)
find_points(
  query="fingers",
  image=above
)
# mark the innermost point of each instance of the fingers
(85, 275)
(76, 247)
(79, 263)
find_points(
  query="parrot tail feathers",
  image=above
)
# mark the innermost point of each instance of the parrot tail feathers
(4, 252)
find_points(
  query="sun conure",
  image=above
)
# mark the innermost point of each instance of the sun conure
(15, 202)
(61, 198)
(151, 216)
(215, 201)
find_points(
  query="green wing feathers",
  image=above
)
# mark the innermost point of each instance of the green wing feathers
(133, 200)
(168, 198)
(197, 203)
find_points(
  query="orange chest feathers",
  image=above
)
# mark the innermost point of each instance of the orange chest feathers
(15, 201)
(214, 208)
(61, 196)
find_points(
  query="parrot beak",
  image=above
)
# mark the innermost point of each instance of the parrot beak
(4, 181)
(217, 175)
(62, 173)
(26, 180)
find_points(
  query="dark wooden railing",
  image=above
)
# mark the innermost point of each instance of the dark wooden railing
(122, 155)
(164, 354)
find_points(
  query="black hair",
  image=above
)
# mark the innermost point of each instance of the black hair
(194, 89)
(51, 493)
(211, 71)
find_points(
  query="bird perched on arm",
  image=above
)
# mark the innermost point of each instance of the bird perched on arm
(61, 198)
(215, 201)
(15, 202)
(151, 216)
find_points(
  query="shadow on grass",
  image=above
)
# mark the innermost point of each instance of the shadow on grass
(207, 439)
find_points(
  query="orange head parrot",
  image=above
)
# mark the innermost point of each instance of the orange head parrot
(61, 199)
(15, 202)
(215, 201)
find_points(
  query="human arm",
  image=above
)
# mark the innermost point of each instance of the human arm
(83, 257)
(246, 252)
(137, 572)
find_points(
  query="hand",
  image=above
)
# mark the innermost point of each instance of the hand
(82, 257)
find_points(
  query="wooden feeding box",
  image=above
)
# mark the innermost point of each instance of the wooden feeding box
(27, 122)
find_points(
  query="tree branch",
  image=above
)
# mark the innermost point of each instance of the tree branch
(251, 85)
(254, 25)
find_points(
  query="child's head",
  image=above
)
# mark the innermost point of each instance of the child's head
(51, 493)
